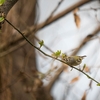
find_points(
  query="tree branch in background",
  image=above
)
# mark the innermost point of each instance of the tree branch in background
(83, 43)
(54, 78)
(52, 13)
(86, 40)
(63, 13)
(19, 45)
(42, 25)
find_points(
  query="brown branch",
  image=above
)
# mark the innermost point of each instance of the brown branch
(41, 25)
(54, 78)
(18, 45)
(52, 13)
(86, 40)
(35, 37)
(15, 47)
(49, 86)
(62, 14)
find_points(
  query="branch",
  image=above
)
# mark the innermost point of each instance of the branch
(86, 40)
(54, 78)
(50, 55)
(62, 14)
(15, 47)
(18, 45)
(95, 9)
(52, 19)
(52, 13)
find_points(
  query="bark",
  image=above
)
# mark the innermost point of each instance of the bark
(8, 4)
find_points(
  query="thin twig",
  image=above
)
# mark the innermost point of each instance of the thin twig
(48, 54)
(52, 13)
(90, 9)
(27, 27)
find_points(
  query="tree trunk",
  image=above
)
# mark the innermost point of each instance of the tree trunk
(22, 14)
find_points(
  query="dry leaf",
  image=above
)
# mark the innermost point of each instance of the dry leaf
(84, 96)
(75, 10)
(74, 79)
(86, 69)
(77, 20)
(65, 68)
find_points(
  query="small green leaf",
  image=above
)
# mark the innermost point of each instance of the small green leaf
(63, 55)
(41, 43)
(84, 67)
(2, 2)
(57, 53)
(98, 84)
(1, 19)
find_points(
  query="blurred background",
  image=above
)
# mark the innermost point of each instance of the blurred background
(72, 26)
